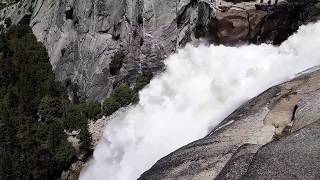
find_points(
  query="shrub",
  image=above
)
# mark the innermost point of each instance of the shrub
(65, 154)
(110, 105)
(73, 117)
(56, 136)
(90, 110)
(50, 107)
(93, 109)
(85, 140)
(116, 62)
(31, 149)
(120, 97)
(143, 80)
(285, 132)
(123, 94)
(8, 22)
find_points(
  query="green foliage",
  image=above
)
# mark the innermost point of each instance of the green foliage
(55, 136)
(116, 62)
(120, 97)
(50, 108)
(110, 105)
(285, 132)
(85, 138)
(92, 110)
(34, 111)
(89, 109)
(123, 95)
(65, 153)
(76, 115)
(73, 118)
(142, 81)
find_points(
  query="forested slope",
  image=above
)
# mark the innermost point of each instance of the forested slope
(35, 110)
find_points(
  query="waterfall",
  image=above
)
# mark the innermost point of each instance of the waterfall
(200, 87)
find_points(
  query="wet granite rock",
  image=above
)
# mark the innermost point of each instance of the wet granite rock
(227, 152)
(293, 157)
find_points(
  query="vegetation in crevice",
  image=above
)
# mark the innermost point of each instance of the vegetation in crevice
(124, 95)
(285, 132)
(116, 62)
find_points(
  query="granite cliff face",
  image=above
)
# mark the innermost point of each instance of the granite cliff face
(82, 36)
(273, 136)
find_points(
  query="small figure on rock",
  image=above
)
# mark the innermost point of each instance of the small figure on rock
(269, 3)
(261, 1)
(276, 2)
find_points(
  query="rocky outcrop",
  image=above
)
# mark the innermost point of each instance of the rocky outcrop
(82, 36)
(73, 172)
(271, 24)
(97, 127)
(270, 137)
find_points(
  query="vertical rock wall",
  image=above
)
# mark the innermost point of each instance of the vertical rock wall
(82, 36)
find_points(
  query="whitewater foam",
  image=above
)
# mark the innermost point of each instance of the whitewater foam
(200, 87)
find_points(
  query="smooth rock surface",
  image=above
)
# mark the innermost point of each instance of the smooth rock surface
(241, 160)
(294, 157)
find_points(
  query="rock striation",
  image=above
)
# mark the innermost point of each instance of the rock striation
(82, 36)
(273, 136)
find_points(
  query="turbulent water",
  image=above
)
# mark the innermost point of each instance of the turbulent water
(200, 87)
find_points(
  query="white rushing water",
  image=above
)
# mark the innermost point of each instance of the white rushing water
(200, 87)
